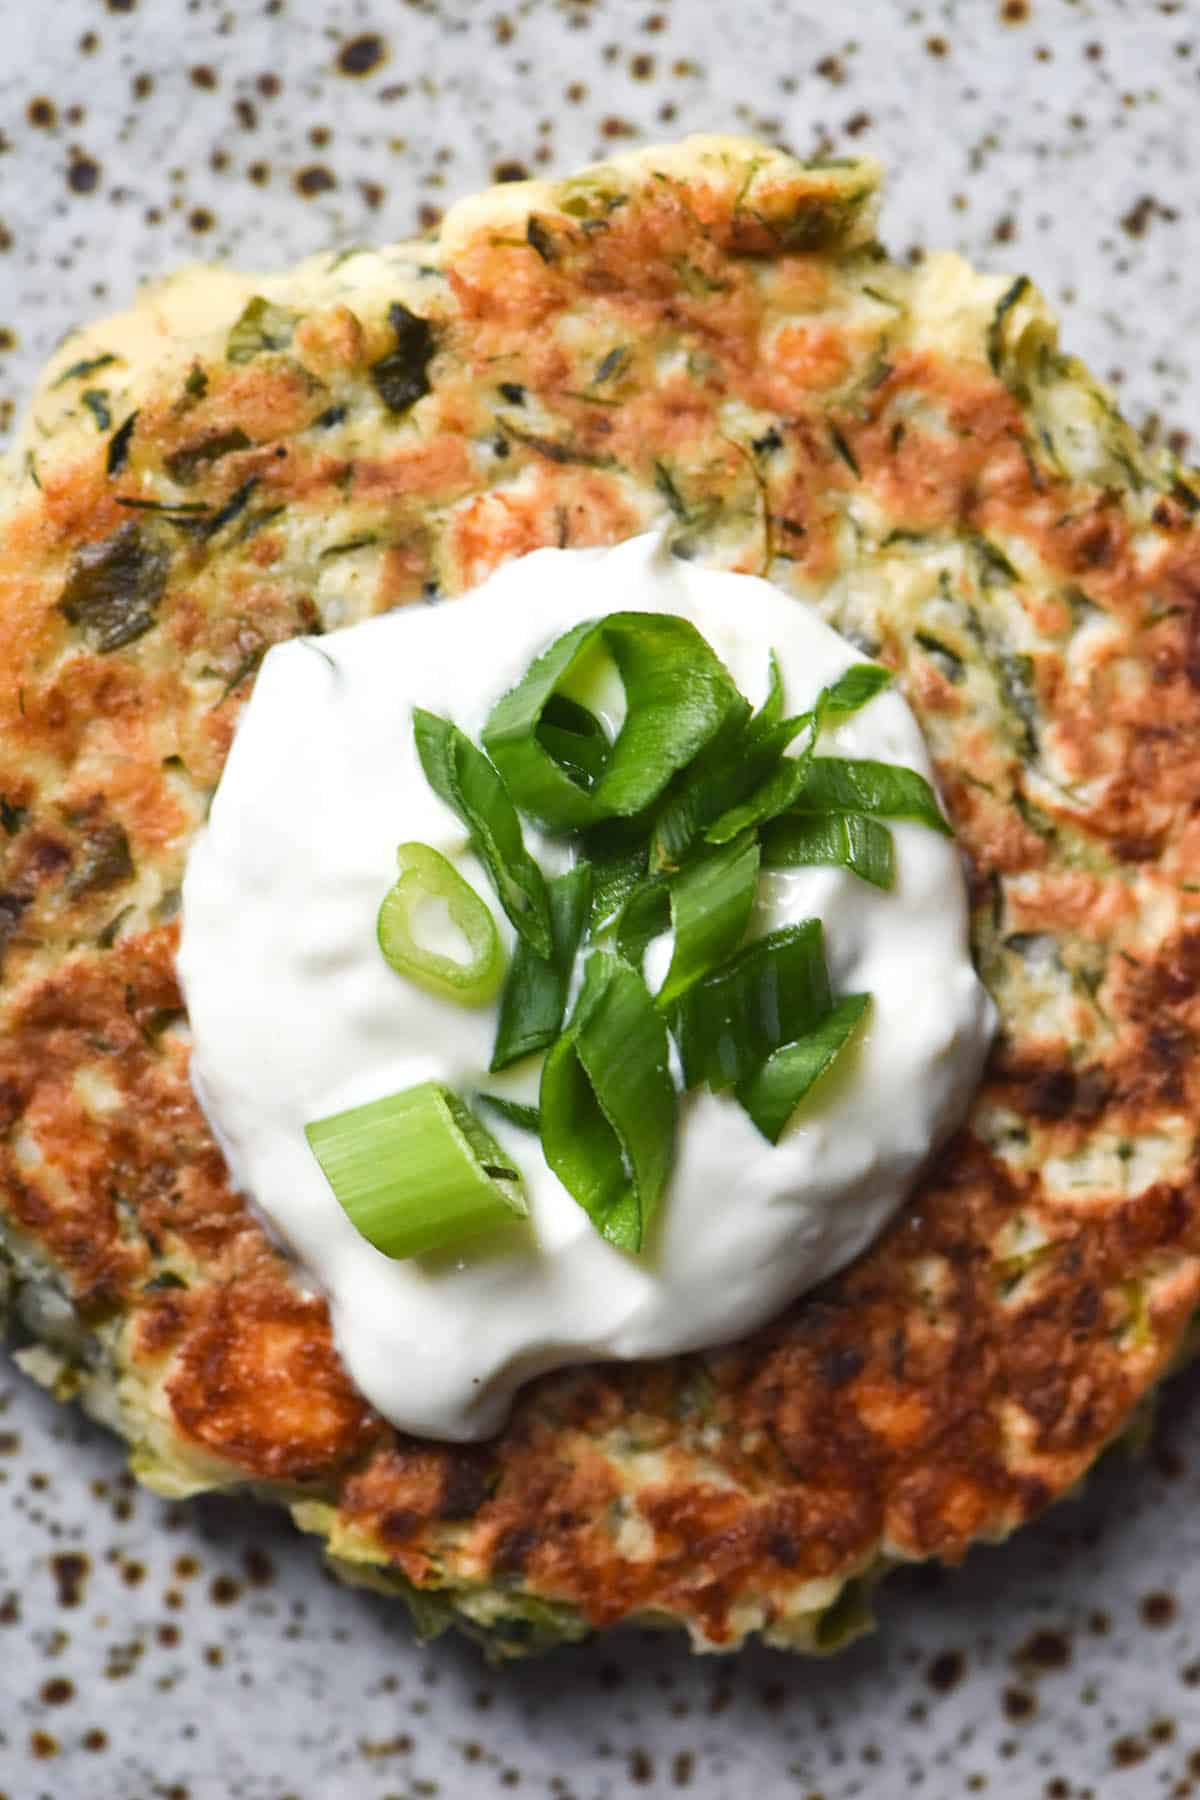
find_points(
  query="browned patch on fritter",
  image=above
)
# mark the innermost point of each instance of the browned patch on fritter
(258, 1383)
(973, 1364)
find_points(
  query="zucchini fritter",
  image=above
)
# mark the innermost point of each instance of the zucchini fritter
(706, 337)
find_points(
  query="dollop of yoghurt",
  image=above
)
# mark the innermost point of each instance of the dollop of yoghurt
(295, 1014)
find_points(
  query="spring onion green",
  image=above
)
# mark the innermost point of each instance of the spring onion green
(575, 738)
(773, 1093)
(838, 784)
(845, 840)
(608, 1103)
(707, 905)
(462, 776)
(678, 694)
(851, 692)
(416, 1172)
(742, 756)
(426, 876)
(776, 785)
(618, 857)
(535, 994)
(772, 991)
(528, 1118)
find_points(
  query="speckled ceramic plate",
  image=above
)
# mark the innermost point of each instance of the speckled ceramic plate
(149, 1650)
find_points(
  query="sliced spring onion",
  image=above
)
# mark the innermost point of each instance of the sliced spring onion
(776, 795)
(851, 691)
(711, 903)
(846, 840)
(771, 710)
(462, 776)
(425, 876)
(416, 1171)
(575, 738)
(617, 855)
(608, 1103)
(707, 906)
(774, 785)
(881, 790)
(706, 788)
(528, 1118)
(772, 992)
(742, 755)
(678, 694)
(535, 994)
(644, 916)
(772, 1095)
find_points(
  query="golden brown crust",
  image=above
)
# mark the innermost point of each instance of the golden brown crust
(1036, 585)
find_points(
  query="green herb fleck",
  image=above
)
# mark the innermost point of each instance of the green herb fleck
(947, 660)
(553, 449)
(258, 521)
(174, 510)
(995, 336)
(118, 446)
(114, 588)
(612, 365)
(96, 401)
(161, 1283)
(262, 327)
(89, 366)
(12, 816)
(106, 861)
(402, 376)
(665, 483)
(348, 545)
(1016, 677)
(185, 464)
(236, 504)
(541, 239)
(108, 937)
(844, 451)
(994, 567)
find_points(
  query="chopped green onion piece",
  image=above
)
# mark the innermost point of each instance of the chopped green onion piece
(709, 784)
(772, 1095)
(425, 876)
(771, 710)
(645, 915)
(528, 1118)
(535, 994)
(846, 840)
(711, 903)
(770, 993)
(742, 754)
(678, 694)
(462, 776)
(707, 905)
(851, 691)
(881, 790)
(617, 855)
(575, 738)
(777, 794)
(416, 1171)
(609, 1104)
(776, 785)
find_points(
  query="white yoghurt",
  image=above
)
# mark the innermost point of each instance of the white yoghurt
(295, 1014)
